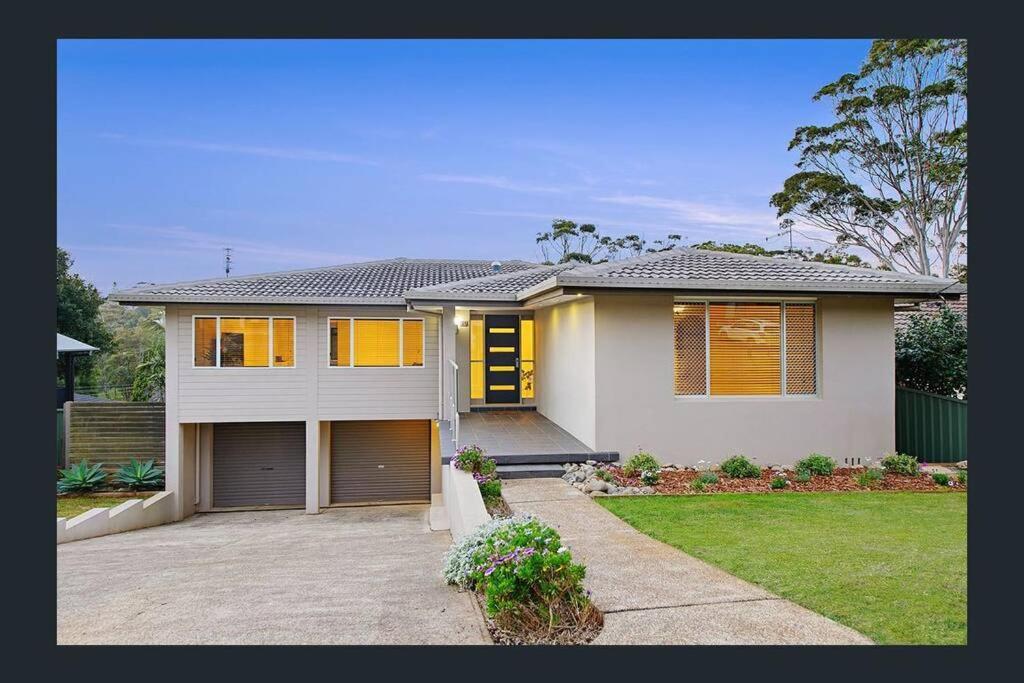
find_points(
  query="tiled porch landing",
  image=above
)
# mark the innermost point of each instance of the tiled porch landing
(513, 432)
(525, 443)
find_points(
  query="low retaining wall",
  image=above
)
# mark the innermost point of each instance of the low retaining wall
(135, 513)
(462, 500)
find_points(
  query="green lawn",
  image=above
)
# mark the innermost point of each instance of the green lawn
(71, 506)
(890, 565)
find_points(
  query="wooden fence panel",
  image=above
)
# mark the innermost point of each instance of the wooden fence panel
(930, 427)
(115, 432)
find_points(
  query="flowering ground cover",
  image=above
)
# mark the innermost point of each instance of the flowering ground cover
(892, 565)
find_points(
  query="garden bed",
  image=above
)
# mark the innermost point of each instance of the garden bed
(676, 481)
(528, 587)
(581, 632)
(497, 506)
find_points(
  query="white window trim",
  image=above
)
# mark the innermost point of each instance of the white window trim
(270, 341)
(783, 396)
(401, 343)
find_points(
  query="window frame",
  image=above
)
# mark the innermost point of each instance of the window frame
(783, 395)
(401, 342)
(270, 342)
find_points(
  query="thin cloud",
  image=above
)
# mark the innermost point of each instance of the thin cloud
(496, 182)
(293, 153)
(181, 239)
(697, 213)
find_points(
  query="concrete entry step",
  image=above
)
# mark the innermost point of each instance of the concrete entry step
(529, 471)
(548, 458)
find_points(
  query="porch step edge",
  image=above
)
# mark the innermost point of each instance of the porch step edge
(547, 458)
(529, 471)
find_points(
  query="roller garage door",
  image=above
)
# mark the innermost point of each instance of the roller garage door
(380, 461)
(259, 463)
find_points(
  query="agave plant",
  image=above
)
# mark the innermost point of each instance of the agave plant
(81, 477)
(140, 475)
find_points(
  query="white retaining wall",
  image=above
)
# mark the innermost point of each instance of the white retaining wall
(463, 502)
(132, 514)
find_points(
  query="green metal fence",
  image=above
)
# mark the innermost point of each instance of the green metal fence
(60, 437)
(930, 427)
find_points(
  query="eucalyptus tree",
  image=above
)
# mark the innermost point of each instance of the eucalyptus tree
(890, 173)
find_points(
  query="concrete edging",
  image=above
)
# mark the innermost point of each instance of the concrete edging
(135, 513)
(463, 502)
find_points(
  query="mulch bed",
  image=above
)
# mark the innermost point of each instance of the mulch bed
(578, 634)
(497, 507)
(842, 479)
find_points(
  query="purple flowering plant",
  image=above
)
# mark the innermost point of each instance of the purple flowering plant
(524, 566)
(471, 459)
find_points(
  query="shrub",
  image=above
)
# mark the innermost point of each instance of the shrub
(640, 462)
(490, 488)
(81, 477)
(707, 478)
(526, 575)
(870, 477)
(816, 463)
(469, 459)
(140, 475)
(650, 477)
(940, 478)
(961, 477)
(605, 475)
(899, 463)
(698, 485)
(779, 482)
(931, 353)
(738, 467)
(458, 561)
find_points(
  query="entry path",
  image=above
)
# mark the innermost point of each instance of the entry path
(653, 594)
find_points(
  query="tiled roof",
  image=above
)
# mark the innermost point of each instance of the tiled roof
(690, 269)
(373, 282)
(505, 286)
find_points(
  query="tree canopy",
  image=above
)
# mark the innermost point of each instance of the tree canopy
(889, 175)
(569, 241)
(931, 354)
(78, 306)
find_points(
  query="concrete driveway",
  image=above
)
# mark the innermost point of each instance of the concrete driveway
(366, 575)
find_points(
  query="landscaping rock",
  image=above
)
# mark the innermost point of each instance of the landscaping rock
(962, 465)
(591, 462)
(646, 490)
(595, 494)
(937, 469)
(596, 485)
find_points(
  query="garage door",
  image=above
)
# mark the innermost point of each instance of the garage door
(259, 463)
(385, 461)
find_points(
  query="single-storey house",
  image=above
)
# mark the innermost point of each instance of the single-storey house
(349, 384)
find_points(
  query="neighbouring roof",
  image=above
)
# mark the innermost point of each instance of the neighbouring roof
(690, 269)
(372, 282)
(66, 344)
(904, 314)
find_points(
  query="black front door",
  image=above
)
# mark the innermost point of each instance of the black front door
(501, 358)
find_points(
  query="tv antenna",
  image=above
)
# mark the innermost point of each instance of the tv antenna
(785, 227)
(227, 261)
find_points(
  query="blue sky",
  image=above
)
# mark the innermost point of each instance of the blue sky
(307, 153)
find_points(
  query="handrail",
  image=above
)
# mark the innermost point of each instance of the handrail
(453, 392)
